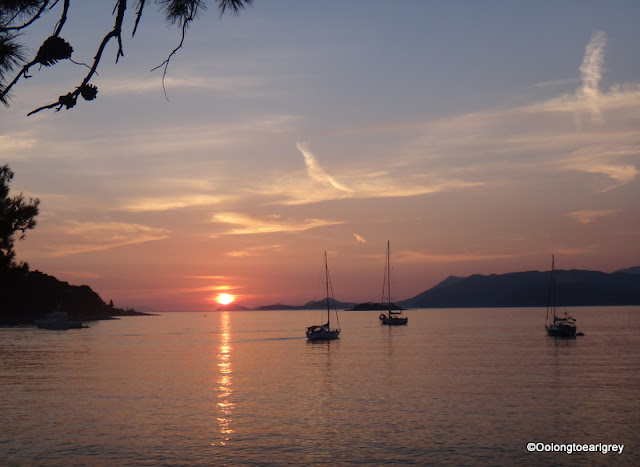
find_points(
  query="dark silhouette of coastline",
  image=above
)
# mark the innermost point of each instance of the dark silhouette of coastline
(370, 306)
(26, 296)
(529, 289)
(517, 289)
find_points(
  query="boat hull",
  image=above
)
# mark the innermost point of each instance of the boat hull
(393, 320)
(562, 330)
(314, 333)
(42, 324)
(58, 320)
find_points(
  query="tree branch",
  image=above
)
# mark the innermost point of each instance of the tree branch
(70, 99)
(173, 52)
(25, 69)
(54, 48)
(32, 20)
(63, 18)
(141, 4)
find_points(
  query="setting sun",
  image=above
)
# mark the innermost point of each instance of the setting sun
(225, 298)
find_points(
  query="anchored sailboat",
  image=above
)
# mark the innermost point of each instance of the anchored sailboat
(325, 331)
(557, 326)
(392, 317)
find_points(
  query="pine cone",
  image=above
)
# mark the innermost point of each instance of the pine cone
(53, 49)
(88, 92)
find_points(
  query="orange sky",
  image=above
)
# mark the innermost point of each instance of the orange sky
(476, 140)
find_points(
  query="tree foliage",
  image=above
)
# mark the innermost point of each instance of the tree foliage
(17, 215)
(17, 16)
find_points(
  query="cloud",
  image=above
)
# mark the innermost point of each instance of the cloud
(251, 225)
(166, 203)
(294, 189)
(209, 277)
(316, 172)
(359, 239)
(578, 251)
(591, 71)
(608, 161)
(619, 174)
(10, 145)
(555, 83)
(255, 251)
(587, 216)
(238, 86)
(85, 237)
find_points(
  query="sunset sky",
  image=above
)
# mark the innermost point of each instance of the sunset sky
(477, 137)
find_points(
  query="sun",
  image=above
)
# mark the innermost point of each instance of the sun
(225, 298)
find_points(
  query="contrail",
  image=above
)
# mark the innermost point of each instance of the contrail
(315, 171)
(592, 69)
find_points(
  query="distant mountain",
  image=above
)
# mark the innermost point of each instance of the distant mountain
(530, 288)
(276, 306)
(371, 306)
(632, 270)
(232, 307)
(312, 305)
(322, 304)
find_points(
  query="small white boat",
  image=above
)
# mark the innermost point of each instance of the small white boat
(59, 320)
(325, 332)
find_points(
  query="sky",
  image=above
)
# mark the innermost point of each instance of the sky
(477, 137)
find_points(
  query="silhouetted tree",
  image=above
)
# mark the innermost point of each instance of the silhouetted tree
(17, 215)
(16, 16)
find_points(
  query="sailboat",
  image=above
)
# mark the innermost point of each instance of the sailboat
(391, 318)
(325, 331)
(557, 326)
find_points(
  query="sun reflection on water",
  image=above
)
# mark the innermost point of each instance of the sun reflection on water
(224, 380)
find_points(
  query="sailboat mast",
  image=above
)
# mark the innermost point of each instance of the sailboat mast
(553, 290)
(551, 299)
(388, 276)
(326, 279)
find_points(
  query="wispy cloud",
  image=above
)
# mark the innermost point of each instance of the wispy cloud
(255, 251)
(608, 160)
(575, 251)
(591, 71)
(84, 237)
(359, 239)
(587, 216)
(295, 189)
(316, 172)
(245, 224)
(209, 277)
(11, 145)
(556, 83)
(166, 203)
(237, 86)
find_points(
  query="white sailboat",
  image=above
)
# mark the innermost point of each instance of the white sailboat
(325, 331)
(58, 319)
(392, 317)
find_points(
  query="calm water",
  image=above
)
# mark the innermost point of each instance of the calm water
(463, 387)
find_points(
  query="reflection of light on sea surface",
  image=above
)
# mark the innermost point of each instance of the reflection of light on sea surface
(225, 406)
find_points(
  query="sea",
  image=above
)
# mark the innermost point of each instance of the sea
(453, 387)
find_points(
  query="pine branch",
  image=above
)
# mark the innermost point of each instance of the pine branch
(69, 100)
(32, 20)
